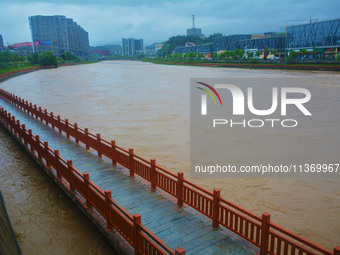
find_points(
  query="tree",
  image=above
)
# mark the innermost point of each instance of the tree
(314, 52)
(33, 58)
(304, 53)
(68, 56)
(47, 58)
(250, 54)
(292, 54)
(258, 53)
(274, 52)
(240, 53)
(235, 53)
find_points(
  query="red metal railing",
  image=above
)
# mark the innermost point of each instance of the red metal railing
(270, 238)
(83, 189)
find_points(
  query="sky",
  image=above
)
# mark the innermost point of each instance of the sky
(108, 21)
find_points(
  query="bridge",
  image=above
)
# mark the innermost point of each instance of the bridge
(138, 205)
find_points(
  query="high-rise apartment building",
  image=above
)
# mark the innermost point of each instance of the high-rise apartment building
(1, 41)
(132, 46)
(60, 34)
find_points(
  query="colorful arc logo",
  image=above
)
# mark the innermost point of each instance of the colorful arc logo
(204, 97)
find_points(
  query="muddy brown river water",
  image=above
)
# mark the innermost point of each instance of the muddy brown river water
(146, 107)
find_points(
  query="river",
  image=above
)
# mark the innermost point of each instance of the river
(146, 107)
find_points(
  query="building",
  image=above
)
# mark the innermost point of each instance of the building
(194, 31)
(152, 49)
(1, 41)
(323, 36)
(58, 34)
(258, 43)
(229, 42)
(132, 46)
(320, 39)
(203, 48)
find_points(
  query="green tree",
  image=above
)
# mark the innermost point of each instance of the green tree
(213, 55)
(47, 58)
(257, 53)
(68, 56)
(304, 53)
(250, 54)
(292, 54)
(14, 57)
(240, 54)
(235, 54)
(33, 58)
(274, 52)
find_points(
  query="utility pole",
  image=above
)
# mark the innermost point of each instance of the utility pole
(193, 21)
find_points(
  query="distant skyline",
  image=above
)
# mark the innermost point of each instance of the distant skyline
(108, 21)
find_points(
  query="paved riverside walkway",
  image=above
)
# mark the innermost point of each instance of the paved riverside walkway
(176, 226)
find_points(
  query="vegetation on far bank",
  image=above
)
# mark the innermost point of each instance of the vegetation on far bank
(10, 62)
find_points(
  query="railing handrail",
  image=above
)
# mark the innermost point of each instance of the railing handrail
(302, 240)
(185, 183)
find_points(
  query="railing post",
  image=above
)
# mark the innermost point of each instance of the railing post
(76, 132)
(13, 120)
(35, 107)
(52, 117)
(31, 106)
(87, 138)
(137, 220)
(108, 209)
(98, 145)
(180, 251)
(67, 127)
(24, 129)
(70, 171)
(131, 163)
(87, 189)
(48, 165)
(57, 158)
(45, 111)
(180, 188)
(31, 139)
(337, 250)
(59, 124)
(37, 138)
(19, 134)
(114, 154)
(264, 233)
(40, 110)
(153, 174)
(216, 208)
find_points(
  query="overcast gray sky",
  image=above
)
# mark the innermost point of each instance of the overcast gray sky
(108, 21)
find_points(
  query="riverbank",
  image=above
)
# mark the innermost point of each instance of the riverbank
(299, 66)
(11, 72)
(7, 75)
